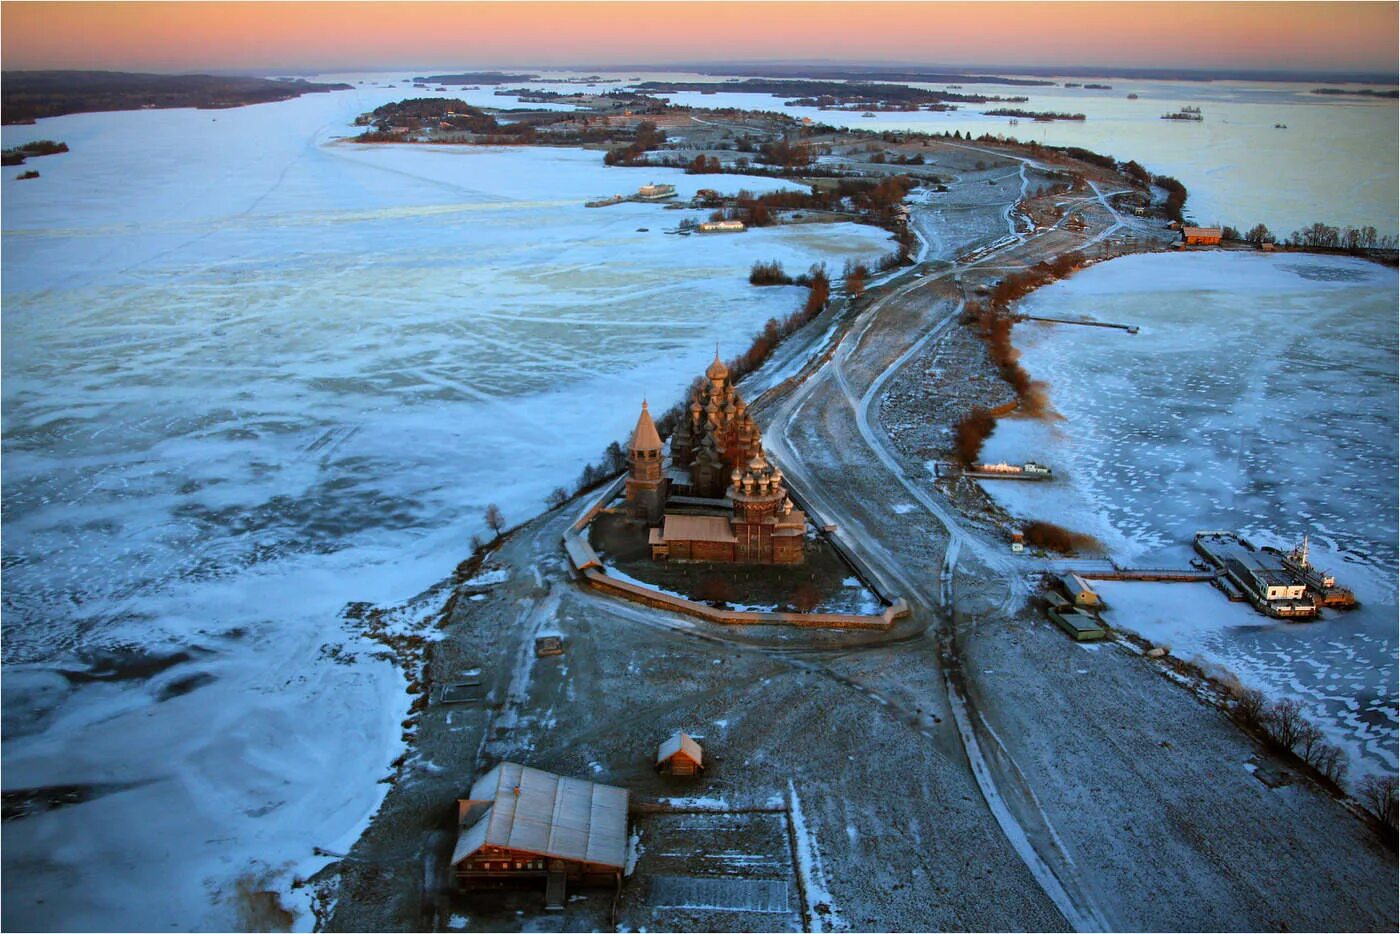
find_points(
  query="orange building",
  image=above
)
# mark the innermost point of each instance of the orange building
(718, 499)
(1201, 235)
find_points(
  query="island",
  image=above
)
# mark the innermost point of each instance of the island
(26, 96)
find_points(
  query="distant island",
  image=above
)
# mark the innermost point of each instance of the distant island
(480, 77)
(1036, 115)
(1359, 92)
(829, 95)
(864, 73)
(40, 147)
(26, 96)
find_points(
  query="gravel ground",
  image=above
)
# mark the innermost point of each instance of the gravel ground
(1155, 795)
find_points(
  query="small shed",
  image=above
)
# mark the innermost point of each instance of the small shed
(1079, 590)
(680, 755)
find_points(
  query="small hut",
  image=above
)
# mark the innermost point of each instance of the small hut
(680, 755)
(1080, 593)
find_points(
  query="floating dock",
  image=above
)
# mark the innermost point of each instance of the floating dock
(1279, 584)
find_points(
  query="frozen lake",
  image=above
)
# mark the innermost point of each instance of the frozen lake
(252, 374)
(1260, 396)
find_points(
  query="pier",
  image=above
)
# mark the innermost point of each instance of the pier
(1130, 328)
(1182, 575)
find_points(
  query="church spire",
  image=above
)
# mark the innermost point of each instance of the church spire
(645, 436)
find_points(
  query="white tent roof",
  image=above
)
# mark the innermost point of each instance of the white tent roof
(680, 742)
(546, 814)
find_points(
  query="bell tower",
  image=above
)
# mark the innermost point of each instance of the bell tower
(645, 483)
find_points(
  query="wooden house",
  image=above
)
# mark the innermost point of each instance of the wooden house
(522, 823)
(680, 755)
(1201, 235)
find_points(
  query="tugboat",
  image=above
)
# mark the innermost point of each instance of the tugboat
(1322, 586)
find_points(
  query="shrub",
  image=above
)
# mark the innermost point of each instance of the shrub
(1053, 537)
(769, 273)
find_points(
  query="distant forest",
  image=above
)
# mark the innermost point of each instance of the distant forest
(1359, 92)
(477, 77)
(26, 96)
(826, 93)
(857, 73)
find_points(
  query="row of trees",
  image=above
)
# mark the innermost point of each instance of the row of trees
(876, 199)
(1285, 728)
(1318, 236)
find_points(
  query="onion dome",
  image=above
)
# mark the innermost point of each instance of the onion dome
(717, 371)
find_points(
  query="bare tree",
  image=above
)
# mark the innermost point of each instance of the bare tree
(558, 497)
(1378, 794)
(494, 520)
(1259, 234)
(1284, 722)
(1328, 760)
(1310, 741)
(1249, 704)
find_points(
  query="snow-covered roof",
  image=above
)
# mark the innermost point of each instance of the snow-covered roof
(679, 742)
(538, 812)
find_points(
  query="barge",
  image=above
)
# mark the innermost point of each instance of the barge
(1030, 470)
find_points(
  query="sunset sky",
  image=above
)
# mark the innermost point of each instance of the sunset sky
(309, 36)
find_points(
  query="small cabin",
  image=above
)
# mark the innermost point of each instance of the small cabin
(548, 645)
(680, 755)
(1018, 542)
(1079, 590)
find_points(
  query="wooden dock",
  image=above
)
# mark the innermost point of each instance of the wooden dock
(1149, 574)
(1130, 328)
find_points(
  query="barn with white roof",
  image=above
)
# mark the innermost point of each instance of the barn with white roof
(521, 822)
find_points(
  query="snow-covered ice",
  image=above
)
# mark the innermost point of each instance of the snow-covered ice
(1260, 396)
(252, 374)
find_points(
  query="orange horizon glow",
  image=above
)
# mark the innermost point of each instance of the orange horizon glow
(309, 36)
